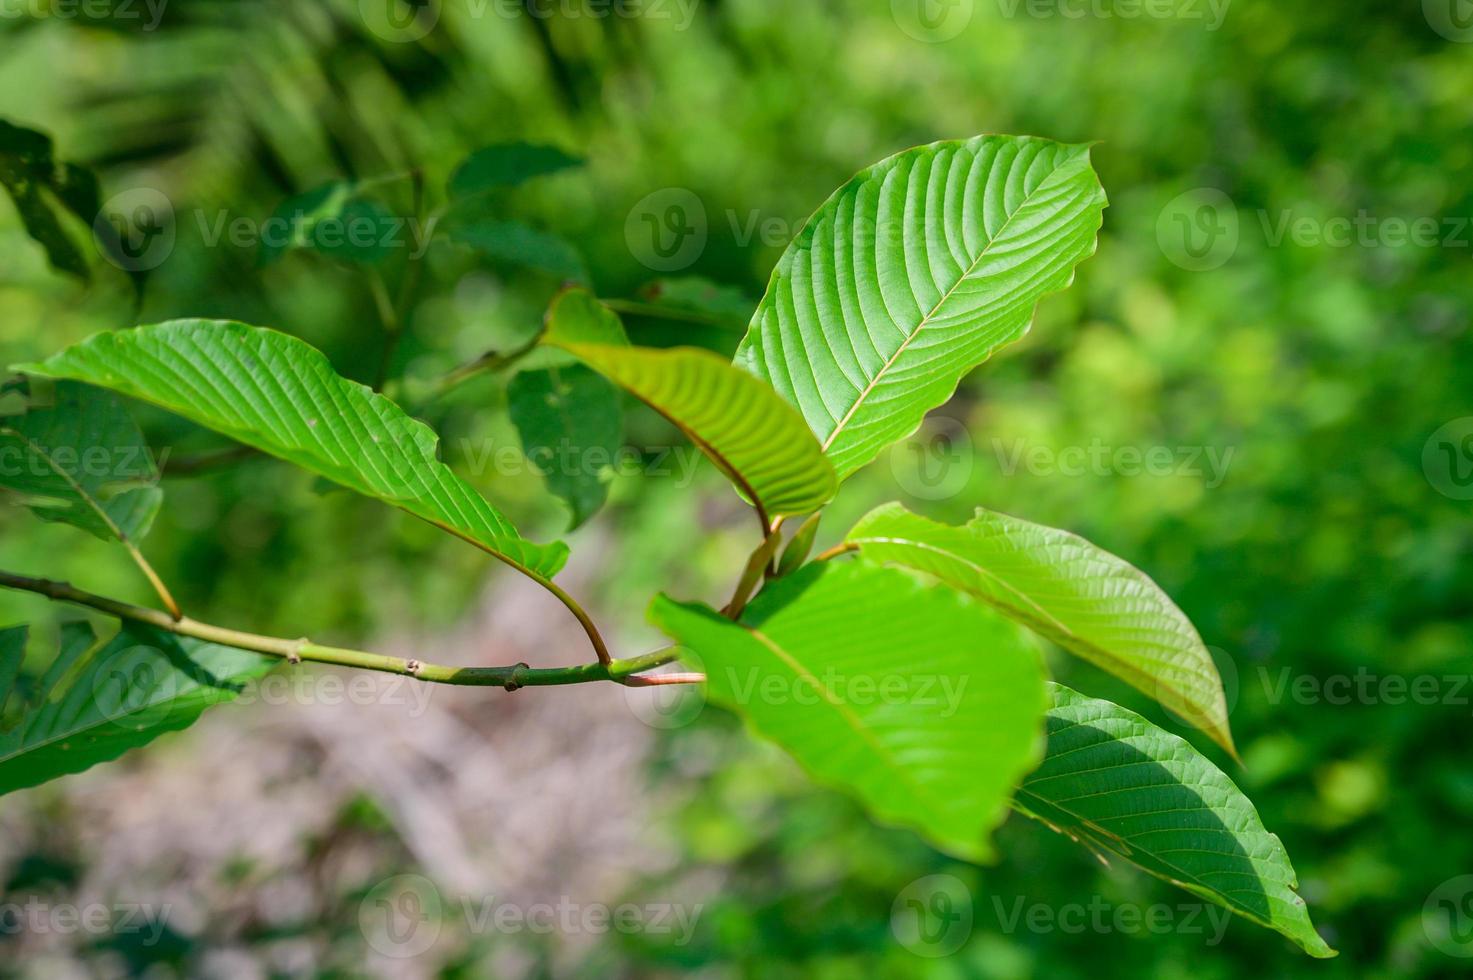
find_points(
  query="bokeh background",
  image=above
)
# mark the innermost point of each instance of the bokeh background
(1296, 386)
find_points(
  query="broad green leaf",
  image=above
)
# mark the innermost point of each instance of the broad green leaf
(1118, 784)
(513, 243)
(921, 703)
(912, 274)
(97, 701)
(334, 220)
(506, 165)
(29, 173)
(75, 456)
(280, 395)
(1083, 598)
(571, 424)
(752, 436)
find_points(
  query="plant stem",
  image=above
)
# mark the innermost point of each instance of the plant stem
(294, 651)
(837, 550)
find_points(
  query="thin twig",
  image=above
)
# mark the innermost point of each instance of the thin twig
(294, 651)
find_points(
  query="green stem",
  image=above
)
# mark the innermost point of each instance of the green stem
(295, 651)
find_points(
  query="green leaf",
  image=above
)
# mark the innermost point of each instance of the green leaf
(571, 424)
(76, 457)
(334, 220)
(798, 549)
(515, 244)
(575, 316)
(1083, 598)
(280, 395)
(1118, 784)
(912, 274)
(921, 703)
(752, 436)
(506, 165)
(29, 172)
(97, 701)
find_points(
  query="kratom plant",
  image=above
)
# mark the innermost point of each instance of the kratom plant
(908, 277)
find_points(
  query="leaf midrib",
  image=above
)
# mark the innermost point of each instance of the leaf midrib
(846, 713)
(925, 320)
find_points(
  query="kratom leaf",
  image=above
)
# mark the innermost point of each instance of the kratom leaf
(796, 553)
(571, 423)
(1081, 597)
(76, 457)
(752, 436)
(575, 316)
(921, 703)
(334, 220)
(97, 701)
(506, 165)
(513, 243)
(1118, 784)
(912, 274)
(29, 172)
(280, 395)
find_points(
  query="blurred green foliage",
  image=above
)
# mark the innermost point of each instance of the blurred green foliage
(1296, 387)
